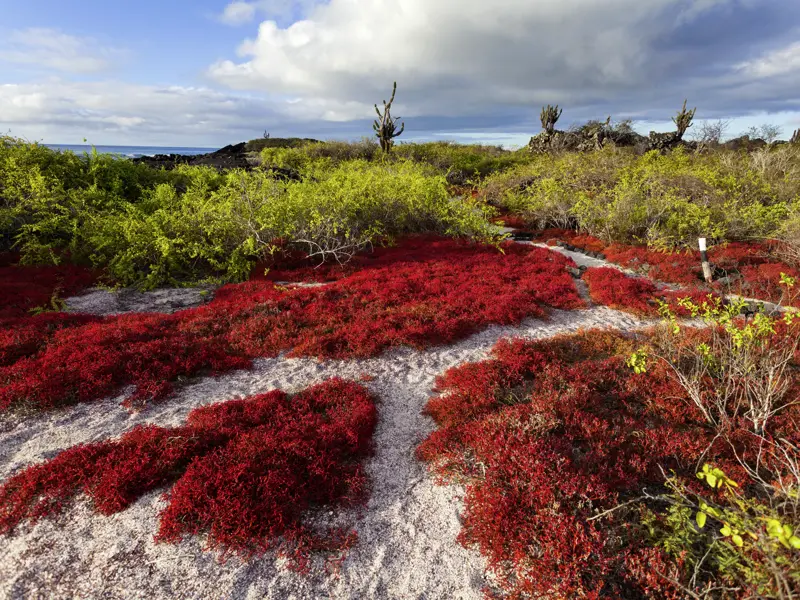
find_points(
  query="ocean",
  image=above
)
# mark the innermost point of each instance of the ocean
(131, 151)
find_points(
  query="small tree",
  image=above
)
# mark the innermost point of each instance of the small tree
(386, 127)
(683, 120)
(767, 132)
(549, 116)
(712, 132)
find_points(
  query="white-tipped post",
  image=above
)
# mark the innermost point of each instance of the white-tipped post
(707, 275)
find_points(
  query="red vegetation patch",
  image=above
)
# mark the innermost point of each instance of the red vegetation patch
(545, 435)
(514, 221)
(421, 296)
(25, 336)
(24, 288)
(750, 268)
(244, 471)
(610, 287)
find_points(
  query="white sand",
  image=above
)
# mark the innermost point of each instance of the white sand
(98, 301)
(407, 533)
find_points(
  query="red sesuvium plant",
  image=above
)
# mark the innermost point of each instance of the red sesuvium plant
(549, 435)
(246, 472)
(751, 268)
(611, 287)
(23, 288)
(425, 295)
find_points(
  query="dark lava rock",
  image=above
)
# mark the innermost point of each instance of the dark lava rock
(744, 142)
(229, 157)
(521, 236)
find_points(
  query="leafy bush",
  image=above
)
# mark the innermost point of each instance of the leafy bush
(474, 160)
(259, 144)
(741, 376)
(665, 200)
(195, 224)
(244, 471)
(46, 197)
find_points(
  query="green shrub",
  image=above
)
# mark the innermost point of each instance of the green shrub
(474, 160)
(260, 144)
(46, 196)
(217, 229)
(666, 200)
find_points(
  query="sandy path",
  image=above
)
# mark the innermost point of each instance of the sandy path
(407, 533)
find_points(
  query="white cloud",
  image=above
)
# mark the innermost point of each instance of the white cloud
(240, 12)
(778, 62)
(460, 56)
(57, 51)
(237, 13)
(116, 112)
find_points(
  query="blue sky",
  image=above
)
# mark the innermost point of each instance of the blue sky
(208, 73)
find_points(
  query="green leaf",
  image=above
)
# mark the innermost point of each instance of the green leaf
(737, 539)
(700, 517)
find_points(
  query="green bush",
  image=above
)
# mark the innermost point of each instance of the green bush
(666, 200)
(476, 161)
(218, 225)
(45, 196)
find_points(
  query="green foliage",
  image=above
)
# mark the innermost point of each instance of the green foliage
(728, 539)
(46, 196)
(260, 144)
(666, 200)
(149, 228)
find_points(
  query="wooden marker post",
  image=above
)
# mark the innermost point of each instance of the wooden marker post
(707, 275)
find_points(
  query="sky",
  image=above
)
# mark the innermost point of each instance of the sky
(207, 73)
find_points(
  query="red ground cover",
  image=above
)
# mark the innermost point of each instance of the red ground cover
(24, 288)
(423, 293)
(751, 268)
(547, 434)
(610, 287)
(244, 471)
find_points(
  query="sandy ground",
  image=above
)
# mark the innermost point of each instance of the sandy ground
(407, 532)
(98, 301)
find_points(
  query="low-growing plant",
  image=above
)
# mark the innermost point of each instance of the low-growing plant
(426, 291)
(245, 472)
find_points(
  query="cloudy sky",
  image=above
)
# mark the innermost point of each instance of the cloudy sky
(212, 72)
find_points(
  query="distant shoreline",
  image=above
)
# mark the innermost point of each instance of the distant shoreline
(131, 151)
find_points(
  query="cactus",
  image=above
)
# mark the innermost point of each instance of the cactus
(795, 139)
(549, 116)
(683, 120)
(385, 129)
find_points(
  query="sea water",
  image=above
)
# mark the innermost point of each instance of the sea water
(131, 151)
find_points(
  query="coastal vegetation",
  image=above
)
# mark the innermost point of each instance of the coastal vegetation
(657, 462)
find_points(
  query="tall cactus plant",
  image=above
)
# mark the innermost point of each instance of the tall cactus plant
(549, 116)
(683, 120)
(386, 127)
(795, 139)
